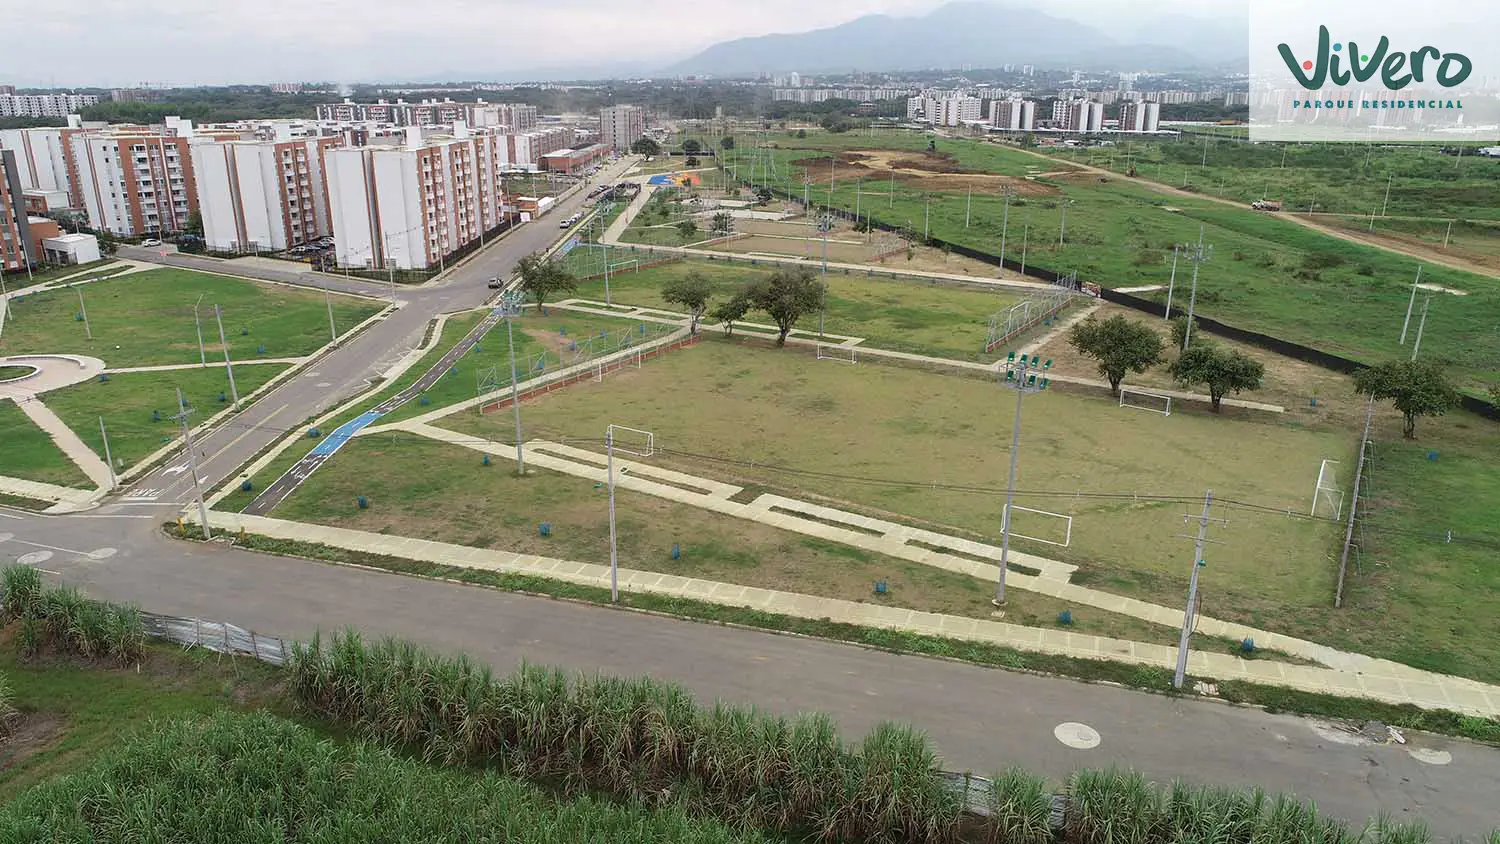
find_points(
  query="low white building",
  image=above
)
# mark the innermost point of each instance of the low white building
(70, 249)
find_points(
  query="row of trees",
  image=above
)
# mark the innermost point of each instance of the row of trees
(785, 296)
(1121, 346)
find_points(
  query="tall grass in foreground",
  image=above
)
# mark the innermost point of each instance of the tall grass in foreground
(243, 778)
(62, 619)
(647, 741)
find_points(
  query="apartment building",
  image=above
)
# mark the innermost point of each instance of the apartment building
(1013, 115)
(44, 105)
(410, 206)
(15, 236)
(262, 195)
(525, 150)
(135, 181)
(1082, 116)
(516, 117)
(621, 125)
(44, 158)
(1140, 116)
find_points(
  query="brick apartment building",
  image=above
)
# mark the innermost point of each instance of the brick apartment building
(262, 195)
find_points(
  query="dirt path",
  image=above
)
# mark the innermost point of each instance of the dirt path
(1425, 255)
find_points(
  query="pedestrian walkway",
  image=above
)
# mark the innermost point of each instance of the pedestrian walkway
(78, 452)
(1429, 691)
(171, 367)
(66, 499)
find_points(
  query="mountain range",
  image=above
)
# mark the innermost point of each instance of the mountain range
(979, 34)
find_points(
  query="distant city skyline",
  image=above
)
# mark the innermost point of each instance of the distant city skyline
(75, 43)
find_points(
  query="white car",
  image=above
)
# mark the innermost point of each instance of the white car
(149, 242)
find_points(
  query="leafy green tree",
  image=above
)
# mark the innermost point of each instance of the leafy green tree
(691, 146)
(687, 228)
(194, 225)
(646, 147)
(801, 133)
(732, 310)
(786, 296)
(692, 292)
(764, 195)
(691, 161)
(1495, 397)
(1416, 388)
(1221, 370)
(108, 243)
(1180, 330)
(722, 223)
(542, 277)
(727, 142)
(1119, 345)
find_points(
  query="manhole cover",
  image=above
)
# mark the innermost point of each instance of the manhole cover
(1077, 736)
(1431, 757)
(102, 553)
(35, 558)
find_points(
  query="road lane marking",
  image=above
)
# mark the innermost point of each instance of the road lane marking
(9, 516)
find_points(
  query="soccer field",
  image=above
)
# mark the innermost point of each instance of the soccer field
(933, 450)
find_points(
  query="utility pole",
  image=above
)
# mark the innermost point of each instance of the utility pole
(510, 308)
(968, 205)
(1005, 224)
(1062, 232)
(891, 194)
(927, 220)
(1020, 376)
(113, 480)
(187, 440)
(228, 367)
(198, 324)
(1359, 471)
(82, 309)
(1387, 201)
(1410, 303)
(1448, 234)
(1198, 255)
(1025, 236)
(1421, 325)
(825, 224)
(333, 330)
(1172, 283)
(614, 555)
(1189, 616)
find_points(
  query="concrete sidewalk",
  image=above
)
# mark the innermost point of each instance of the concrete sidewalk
(77, 451)
(172, 367)
(1432, 692)
(66, 499)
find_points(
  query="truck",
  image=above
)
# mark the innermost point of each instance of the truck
(1266, 205)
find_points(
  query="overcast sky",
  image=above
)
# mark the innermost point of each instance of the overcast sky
(127, 42)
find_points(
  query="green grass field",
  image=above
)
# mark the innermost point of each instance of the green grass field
(1266, 274)
(896, 442)
(128, 400)
(19, 280)
(438, 491)
(906, 315)
(146, 319)
(28, 453)
(11, 373)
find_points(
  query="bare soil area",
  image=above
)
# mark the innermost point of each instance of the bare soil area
(926, 171)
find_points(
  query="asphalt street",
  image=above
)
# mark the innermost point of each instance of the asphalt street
(981, 719)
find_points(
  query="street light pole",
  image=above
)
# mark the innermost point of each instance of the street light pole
(1005, 225)
(968, 204)
(198, 324)
(83, 309)
(228, 367)
(614, 555)
(510, 308)
(1020, 376)
(1172, 283)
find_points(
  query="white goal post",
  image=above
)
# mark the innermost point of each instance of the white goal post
(842, 354)
(1067, 526)
(1327, 495)
(1145, 400)
(631, 440)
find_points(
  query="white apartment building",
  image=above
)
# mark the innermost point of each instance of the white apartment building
(524, 150)
(135, 182)
(945, 110)
(262, 195)
(1140, 116)
(621, 125)
(1014, 115)
(44, 105)
(43, 158)
(410, 206)
(1082, 116)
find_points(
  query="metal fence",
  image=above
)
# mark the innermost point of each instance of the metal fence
(217, 636)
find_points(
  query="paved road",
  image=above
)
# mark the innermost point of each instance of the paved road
(981, 719)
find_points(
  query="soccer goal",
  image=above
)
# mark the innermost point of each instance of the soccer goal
(1146, 400)
(1061, 534)
(606, 366)
(842, 354)
(631, 440)
(1328, 499)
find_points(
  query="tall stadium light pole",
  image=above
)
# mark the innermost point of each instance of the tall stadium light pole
(1411, 303)
(510, 308)
(1020, 376)
(228, 367)
(1172, 283)
(198, 324)
(1197, 254)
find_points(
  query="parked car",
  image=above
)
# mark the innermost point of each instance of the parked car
(496, 283)
(150, 242)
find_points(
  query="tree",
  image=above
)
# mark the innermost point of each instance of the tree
(801, 133)
(732, 310)
(194, 225)
(1416, 388)
(692, 292)
(541, 277)
(1119, 345)
(722, 223)
(764, 195)
(108, 243)
(1495, 397)
(1180, 330)
(692, 161)
(691, 146)
(1221, 370)
(786, 296)
(646, 147)
(687, 228)
(727, 142)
